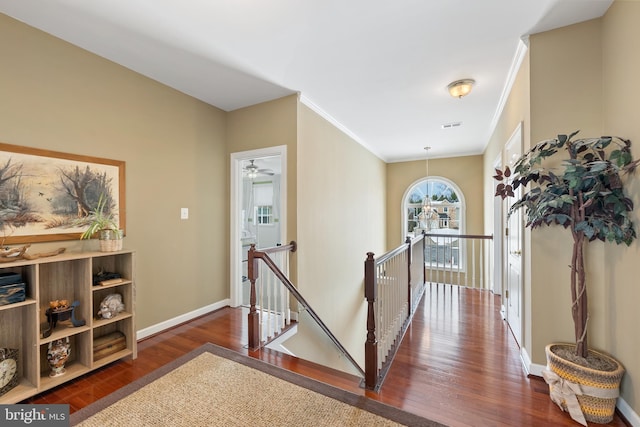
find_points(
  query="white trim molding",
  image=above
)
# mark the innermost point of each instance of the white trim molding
(170, 323)
(628, 412)
(521, 50)
(328, 117)
(235, 247)
(530, 368)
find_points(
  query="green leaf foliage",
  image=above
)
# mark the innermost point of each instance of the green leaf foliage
(583, 192)
(100, 218)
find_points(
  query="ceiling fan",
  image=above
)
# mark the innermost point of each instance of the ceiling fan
(252, 170)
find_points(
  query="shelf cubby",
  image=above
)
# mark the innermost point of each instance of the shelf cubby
(68, 277)
(15, 319)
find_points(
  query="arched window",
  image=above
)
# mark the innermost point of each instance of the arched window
(435, 205)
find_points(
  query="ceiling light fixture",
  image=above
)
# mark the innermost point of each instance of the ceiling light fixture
(460, 88)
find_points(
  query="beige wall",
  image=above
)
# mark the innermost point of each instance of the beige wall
(547, 104)
(578, 79)
(566, 95)
(59, 97)
(516, 111)
(341, 216)
(465, 171)
(621, 62)
(265, 125)
(177, 153)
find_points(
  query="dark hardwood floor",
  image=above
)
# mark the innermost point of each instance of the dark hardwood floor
(458, 364)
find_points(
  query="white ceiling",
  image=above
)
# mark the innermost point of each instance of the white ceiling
(377, 68)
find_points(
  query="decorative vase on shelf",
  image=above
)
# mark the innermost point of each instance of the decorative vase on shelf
(57, 355)
(111, 240)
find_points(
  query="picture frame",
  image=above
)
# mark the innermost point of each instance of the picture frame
(44, 194)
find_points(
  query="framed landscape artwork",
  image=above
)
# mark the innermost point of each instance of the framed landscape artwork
(44, 195)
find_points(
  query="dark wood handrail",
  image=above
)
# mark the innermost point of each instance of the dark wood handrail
(253, 318)
(375, 268)
(254, 334)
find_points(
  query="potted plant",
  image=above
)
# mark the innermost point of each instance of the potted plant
(102, 222)
(583, 193)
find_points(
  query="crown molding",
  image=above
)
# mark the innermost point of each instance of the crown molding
(521, 51)
(328, 117)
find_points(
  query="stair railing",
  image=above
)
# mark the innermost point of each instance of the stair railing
(394, 284)
(273, 270)
(458, 259)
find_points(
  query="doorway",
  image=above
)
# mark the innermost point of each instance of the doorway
(496, 267)
(513, 234)
(258, 210)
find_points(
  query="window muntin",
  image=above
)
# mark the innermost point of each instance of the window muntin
(264, 214)
(433, 205)
(436, 206)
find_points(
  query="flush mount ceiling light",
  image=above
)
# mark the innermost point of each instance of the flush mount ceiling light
(460, 88)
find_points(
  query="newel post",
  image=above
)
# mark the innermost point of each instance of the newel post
(253, 317)
(371, 344)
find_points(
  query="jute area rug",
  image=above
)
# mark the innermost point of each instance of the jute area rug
(214, 386)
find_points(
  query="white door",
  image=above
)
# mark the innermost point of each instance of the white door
(513, 247)
(242, 233)
(497, 269)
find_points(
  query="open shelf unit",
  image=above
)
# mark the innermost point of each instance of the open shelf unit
(69, 277)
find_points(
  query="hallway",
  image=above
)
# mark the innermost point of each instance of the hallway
(458, 364)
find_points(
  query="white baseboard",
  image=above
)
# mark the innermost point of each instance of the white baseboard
(622, 405)
(628, 412)
(159, 327)
(529, 367)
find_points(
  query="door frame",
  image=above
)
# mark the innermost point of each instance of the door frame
(235, 221)
(518, 138)
(497, 282)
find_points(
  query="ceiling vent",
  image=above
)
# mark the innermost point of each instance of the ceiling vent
(451, 125)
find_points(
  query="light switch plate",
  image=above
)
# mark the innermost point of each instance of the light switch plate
(184, 213)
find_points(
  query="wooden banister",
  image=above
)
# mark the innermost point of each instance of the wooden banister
(371, 344)
(395, 282)
(253, 318)
(254, 335)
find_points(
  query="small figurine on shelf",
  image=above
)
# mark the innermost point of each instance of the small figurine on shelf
(59, 304)
(57, 355)
(61, 310)
(111, 306)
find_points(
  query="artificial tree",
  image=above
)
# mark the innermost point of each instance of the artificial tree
(583, 193)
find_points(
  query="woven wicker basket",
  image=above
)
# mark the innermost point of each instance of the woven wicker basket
(110, 240)
(110, 245)
(595, 409)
